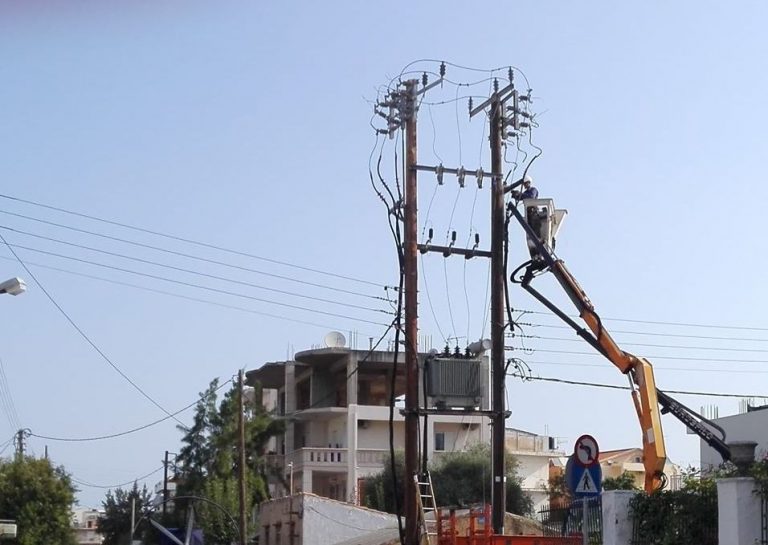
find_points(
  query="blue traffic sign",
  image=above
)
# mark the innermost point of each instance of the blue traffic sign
(584, 481)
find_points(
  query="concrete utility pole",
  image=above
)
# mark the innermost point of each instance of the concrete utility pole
(498, 320)
(411, 285)
(20, 444)
(165, 485)
(241, 449)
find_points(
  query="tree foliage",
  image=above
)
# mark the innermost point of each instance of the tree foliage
(625, 481)
(39, 497)
(460, 479)
(208, 462)
(115, 525)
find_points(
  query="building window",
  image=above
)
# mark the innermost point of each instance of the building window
(439, 440)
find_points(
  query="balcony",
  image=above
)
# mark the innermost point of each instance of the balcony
(318, 458)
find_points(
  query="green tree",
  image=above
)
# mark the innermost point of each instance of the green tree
(378, 490)
(558, 490)
(463, 479)
(39, 497)
(208, 462)
(460, 479)
(115, 525)
(625, 481)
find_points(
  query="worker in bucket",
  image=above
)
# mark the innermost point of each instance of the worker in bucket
(528, 192)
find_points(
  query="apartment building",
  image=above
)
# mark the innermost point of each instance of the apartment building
(335, 401)
(85, 526)
(534, 454)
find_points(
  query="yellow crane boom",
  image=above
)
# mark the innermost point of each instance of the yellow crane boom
(541, 222)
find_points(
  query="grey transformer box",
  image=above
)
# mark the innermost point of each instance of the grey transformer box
(453, 382)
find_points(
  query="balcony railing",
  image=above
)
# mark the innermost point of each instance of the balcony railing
(319, 457)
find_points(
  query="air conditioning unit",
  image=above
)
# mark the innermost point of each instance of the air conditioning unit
(454, 383)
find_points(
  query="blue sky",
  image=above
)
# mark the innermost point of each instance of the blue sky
(246, 125)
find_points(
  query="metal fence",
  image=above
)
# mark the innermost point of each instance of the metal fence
(679, 517)
(570, 520)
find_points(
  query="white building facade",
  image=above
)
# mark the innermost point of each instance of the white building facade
(336, 405)
(751, 425)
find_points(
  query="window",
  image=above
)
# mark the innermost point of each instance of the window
(439, 440)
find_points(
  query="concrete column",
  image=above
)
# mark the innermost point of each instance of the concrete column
(738, 511)
(617, 517)
(352, 492)
(431, 439)
(306, 481)
(290, 406)
(352, 364)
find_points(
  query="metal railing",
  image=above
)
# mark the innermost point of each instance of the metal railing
(582, 518)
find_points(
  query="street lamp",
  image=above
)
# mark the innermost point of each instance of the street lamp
(290, 467)
(14, 286)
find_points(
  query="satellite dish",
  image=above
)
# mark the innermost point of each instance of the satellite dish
(334, 339)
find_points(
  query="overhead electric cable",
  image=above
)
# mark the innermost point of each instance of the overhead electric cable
(7, 399)
(83, 334)
(190, 271)
(192, 256)
(682, 358)
(656, 368)
(618, 387)
(113, 486)
(653, 334)
(651, 345)
(653, 322)
(188, 241)
(180, 296)
(127, 432)
(192, 285)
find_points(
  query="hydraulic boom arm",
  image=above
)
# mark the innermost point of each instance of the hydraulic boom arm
(639, 371)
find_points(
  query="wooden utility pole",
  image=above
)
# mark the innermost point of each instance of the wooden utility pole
(411, 284)
(241, 450)
(498, 319)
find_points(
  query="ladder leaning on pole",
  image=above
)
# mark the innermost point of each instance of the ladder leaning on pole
(425, 495)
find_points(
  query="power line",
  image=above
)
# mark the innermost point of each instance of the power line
(112, 486)
(127, 432)
(178, 295)
(682, 358)
(682, 324)
(83, 334)
(188, 241)
(677, 346)
(192, 256)
(654, 334)
(191, 284)
(617, 387)
(190, 271)
(7, 399)
(655, 367)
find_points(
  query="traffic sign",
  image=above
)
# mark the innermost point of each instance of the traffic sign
(583, 481)
(586, 452)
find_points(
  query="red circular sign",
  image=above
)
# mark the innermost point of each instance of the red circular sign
(586, 452)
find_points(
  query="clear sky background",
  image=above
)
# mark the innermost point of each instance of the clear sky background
(246, 125)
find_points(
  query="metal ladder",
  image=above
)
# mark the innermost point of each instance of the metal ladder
(425, 495)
